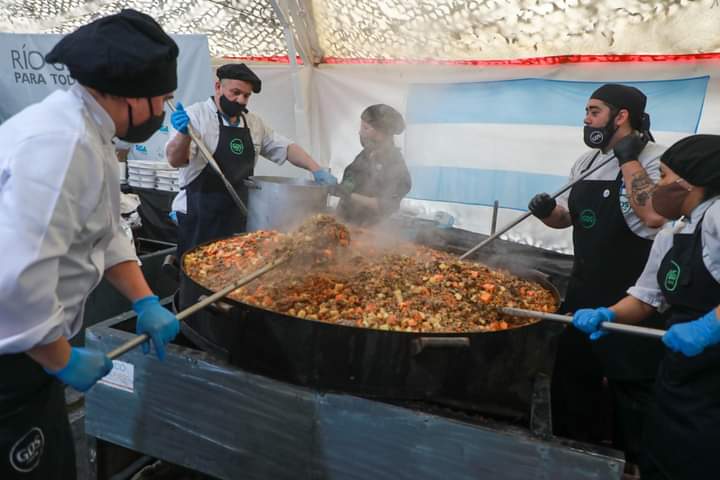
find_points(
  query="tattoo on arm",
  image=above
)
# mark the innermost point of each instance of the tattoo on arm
(642, 188)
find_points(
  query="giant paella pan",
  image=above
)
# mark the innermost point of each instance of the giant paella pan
(381, 318)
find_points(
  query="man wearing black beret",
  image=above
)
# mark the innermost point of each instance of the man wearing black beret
(613, 227)
(60, 231)
(236, 137)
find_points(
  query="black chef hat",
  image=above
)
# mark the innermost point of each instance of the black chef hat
(240, 71)
(629, 98)
(384, 118)
(127, 54)
(696, 159)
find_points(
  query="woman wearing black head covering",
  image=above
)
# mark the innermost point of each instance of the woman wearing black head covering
(682, 275)
(377, 180)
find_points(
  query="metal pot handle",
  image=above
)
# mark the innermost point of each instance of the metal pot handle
(251, 184)
(421, 343)
(220, 307)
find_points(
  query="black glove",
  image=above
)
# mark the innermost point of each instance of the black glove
(629, 148)
(542, 205)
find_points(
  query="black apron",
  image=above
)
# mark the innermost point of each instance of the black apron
(608, 259)
(683, 432)
(35, 437)
(211, 211)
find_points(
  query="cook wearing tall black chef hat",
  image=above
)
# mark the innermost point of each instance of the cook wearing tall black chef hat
(60, 234)
(124, 55)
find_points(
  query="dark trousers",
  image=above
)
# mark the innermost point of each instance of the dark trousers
(36, 442)
(586, 408)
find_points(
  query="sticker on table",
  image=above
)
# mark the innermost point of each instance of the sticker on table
(122, 377)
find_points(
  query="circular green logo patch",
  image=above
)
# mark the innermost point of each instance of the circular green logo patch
(236, 146)
(587, 218)
(672, 277)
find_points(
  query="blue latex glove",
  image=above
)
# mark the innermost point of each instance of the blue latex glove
(180, 119)
(324, 177)
(84, 368)
(173, 216)
(691, 338)
(157, 321)
(588, 320)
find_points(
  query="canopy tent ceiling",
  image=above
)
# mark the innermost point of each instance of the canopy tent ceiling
(413, 30)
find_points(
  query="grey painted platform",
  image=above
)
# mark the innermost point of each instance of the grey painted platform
(197, 412)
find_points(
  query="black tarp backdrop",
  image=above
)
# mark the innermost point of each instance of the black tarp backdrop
(155, 207)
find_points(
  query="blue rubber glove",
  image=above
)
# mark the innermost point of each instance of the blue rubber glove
(588, 320)
(84, 368)
(324, 177)
(157, 321)
(691, 338)
(180, 119)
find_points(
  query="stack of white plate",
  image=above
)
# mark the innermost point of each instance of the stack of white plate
(167, 180)
(155, 175)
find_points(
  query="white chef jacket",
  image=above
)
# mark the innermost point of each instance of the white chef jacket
(649, 159)
(203, 117)
(59, 216)
(646, 289)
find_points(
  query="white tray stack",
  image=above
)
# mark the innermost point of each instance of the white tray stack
(155, 175)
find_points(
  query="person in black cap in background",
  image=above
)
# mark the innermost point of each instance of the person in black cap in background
(59, 231)
(377, 180)
(236, 137)
(613, 226)
(682, 275)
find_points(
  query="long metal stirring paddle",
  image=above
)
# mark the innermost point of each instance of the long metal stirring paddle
(522, 217)
(140, 339)
(608, 326)
(213, 164)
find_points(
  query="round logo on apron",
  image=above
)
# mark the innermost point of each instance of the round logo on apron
(26, 453)
(236, 146)
(672, 276)
(588, 218)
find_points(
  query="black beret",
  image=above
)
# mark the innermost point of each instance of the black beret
(384, 118)
(127, 54)
(624, 96)
(240, 71)
(696, 159)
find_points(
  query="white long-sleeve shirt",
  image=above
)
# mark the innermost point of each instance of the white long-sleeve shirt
(59, 216)
(646, 289)
(203, 117)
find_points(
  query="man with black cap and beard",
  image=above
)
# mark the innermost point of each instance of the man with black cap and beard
(613, 226)
(377, 180)
(682, 277)
(236, 137)
(60, 232)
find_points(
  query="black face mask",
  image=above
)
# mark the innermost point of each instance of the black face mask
(599, 137)
(231, 109)
(140, 133)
